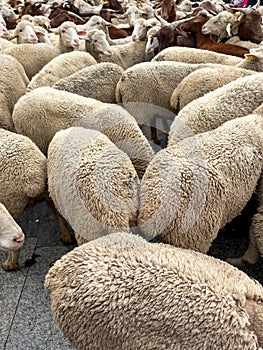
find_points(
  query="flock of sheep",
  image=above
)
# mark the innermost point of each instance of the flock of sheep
(82, 118)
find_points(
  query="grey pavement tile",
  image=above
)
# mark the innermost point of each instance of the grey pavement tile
(33, 326)
(40, 222)
(11, 286)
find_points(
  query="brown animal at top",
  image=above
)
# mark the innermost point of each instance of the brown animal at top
(168, 10)
(250, 25)
(206, 43)
(33, 9)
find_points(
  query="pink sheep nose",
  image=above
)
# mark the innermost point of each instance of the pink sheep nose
(134, 37)
(75, 42)
(33, 38)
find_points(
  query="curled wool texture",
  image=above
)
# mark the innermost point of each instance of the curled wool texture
(122, 129)
(259, 110)
(235, 99)
(192, 189)
(124, 55)
(147, 86)
(60, 67)
(33, 57)
(42, 112)
(93, 184)
(152, 82)
(13, 82)
(22, 171)
(202, 81)
(150, 297)
(193, 55)
(98, 81)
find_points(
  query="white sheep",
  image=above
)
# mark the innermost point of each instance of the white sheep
(146, 89)
(11, 235)
(125, 55)
(202, 81)
(245, 43)
(22, 177)
(193, 55)
(32, 57)
(13, 82)
(142, 26)
(97, 81)
(93, 183)
(235, 99)
(60, 67)
(253, 60)
(43, 111)
(122, 129)
(194, 188)
(68, 37)
(24, 33)
(139, 295)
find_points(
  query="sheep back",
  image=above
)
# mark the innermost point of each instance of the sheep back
(98, 81)
(22, 171)
(42, 112)
(192, 189)
(92, 183)
(149, 296)
(60, 67)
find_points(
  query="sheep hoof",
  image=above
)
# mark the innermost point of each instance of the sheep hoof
(238, 262)
(9, 266)
(66, 238)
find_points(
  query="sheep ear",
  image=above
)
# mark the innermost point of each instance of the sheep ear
(81, 32)
(39, 34)
(55, 31)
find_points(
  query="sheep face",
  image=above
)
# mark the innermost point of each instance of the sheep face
(11, 235)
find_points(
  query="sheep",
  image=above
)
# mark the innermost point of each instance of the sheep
(153, 296)
(42, 112)
(122, 129)
(125, 55)
(245, 43)
(253, 60)
(152, 42)
(142, 26)
(93, 184)
(68, 37)
(42, 35)
(259, 109)
(32, 57)
(11, 235)
(60, 67)
(202, 81)
(13, 82)
(97, 81)
(193, 55)
(203, 182)
(235, 99)
(6, 44)
(22, 177)
(24, 33)
(146, 89)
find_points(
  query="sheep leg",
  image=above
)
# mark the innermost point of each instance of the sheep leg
(252, 254)
(154, 130)
(11, 262)
(66, 235)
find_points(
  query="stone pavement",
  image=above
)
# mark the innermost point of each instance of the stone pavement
(26, 321)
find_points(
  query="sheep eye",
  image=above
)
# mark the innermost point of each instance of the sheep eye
(95, 41)
(63, 31)
(20, 30)
(98, 23)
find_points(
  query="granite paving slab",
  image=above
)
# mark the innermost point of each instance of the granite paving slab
(33, 326)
